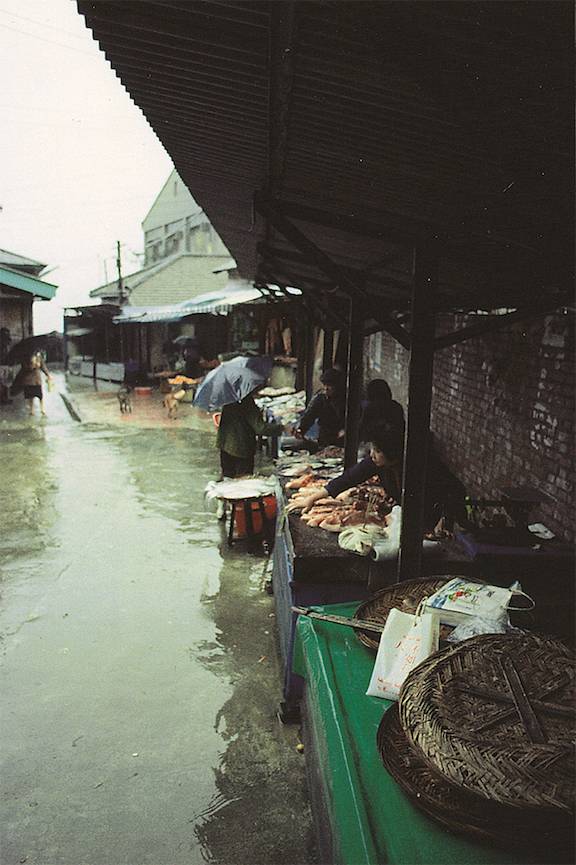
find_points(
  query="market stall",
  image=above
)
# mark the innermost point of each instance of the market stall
(311, 567)
(362, 813)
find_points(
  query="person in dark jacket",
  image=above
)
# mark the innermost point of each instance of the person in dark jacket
(328, 408)
(379, 409)
(240, 424)
(445, 494)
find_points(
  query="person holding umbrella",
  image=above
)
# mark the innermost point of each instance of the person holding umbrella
(231, 387)
(240, 424)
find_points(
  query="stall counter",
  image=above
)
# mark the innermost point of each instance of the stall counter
(361, 814)
(310, 568)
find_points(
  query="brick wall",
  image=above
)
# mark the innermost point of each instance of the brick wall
(502, 409)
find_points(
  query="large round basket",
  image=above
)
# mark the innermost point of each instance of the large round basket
(463, 812)
(495, 716)
(405, 596)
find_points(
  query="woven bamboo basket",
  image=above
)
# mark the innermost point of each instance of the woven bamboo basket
(495, 716)
(549, 832)
(405, 596)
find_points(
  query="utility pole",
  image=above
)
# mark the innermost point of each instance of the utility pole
(119, 266)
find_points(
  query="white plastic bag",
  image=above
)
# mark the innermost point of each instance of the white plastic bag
(361, 539)
(387, 548)
(406, 641)
(459, 599)
(475, 625)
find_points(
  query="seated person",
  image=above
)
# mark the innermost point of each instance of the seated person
(445, 494)
(328, 408)
(379, 408)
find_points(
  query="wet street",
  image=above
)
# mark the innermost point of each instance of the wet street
(139, 673)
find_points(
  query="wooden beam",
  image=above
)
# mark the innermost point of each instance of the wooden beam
(271, 271)
(387, 230)
(327, 314)
(490, 323)
(268, 208)
(418, 416)
(354, 381)
(358, 274)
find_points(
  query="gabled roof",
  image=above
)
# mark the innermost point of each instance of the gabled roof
(373, 127)
(163, 206)
(171, 280)
(21, 262)
(110, 289)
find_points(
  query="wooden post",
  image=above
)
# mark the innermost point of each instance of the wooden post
(94, 354)
(328, 350)
(310, 357)
(354, 381)
(418, 417)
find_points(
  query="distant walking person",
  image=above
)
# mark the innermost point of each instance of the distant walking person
(30, 379)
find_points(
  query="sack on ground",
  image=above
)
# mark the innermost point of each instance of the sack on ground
(406, 641)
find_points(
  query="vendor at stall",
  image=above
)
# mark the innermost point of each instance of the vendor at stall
(379, 408)
(328, 409)
(445, 494)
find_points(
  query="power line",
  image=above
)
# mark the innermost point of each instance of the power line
(49, 41)
(41, 23)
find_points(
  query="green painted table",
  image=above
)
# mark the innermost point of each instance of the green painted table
(362, 816)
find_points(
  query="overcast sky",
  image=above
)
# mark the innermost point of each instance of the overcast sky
(80, 166)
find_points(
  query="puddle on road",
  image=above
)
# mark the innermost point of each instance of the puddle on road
(140, 678)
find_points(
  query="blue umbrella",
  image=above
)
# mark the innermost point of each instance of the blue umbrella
(232, 381)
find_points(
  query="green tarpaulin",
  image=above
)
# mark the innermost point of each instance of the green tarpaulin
(371, 820)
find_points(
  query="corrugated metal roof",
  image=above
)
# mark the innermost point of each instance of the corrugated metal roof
(27, 283)
(370, 126)
(150, 314)
(21, 262)
(171, 280)
(212, 302)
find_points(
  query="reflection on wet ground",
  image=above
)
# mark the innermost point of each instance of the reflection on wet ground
(139, 670)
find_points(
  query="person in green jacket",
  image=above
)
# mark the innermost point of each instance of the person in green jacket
(240, 424)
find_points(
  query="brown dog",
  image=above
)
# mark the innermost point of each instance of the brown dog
(170, 402)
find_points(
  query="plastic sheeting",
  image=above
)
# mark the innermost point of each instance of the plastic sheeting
(371, 820)
(240, 488)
